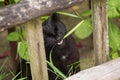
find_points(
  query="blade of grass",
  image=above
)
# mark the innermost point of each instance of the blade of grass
(51, 71)
(16, 76)
(50, 57)
(68, 14)
(57, 70)
(56, 77)
(71, 31)
(1, 67)
(71, 68)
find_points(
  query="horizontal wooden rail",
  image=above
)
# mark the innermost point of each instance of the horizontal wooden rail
(107, 71)
(29, 9)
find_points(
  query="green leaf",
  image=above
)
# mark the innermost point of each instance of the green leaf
(71, 31)
(22, 50)
(86, 13)
(84, 30)
(114, 36)
(113, 5)
(14, 36)
(114, 54)
(112, 12)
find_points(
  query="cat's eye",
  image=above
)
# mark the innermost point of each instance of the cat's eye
(51, 35)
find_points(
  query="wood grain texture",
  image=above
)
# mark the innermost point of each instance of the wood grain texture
(36, 50)
(30, 9)
(100, 30)
(106, 71)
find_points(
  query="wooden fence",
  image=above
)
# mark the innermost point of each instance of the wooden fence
(28, 11)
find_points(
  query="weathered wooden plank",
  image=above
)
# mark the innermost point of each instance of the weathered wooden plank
(107, 71)
(29, 9)
(36, 50)
(100, 30)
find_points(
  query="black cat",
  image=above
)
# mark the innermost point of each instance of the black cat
(64, 52)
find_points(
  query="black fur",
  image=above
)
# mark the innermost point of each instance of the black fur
(63, 54)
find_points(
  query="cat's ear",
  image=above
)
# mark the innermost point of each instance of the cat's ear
(54, 17)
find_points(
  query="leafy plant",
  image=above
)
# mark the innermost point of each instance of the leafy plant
(114, 36)
(85, 29)
(19, 36)
(75, 28)
(113, 5)
(82, 30)
(114, 39)
(3, 74)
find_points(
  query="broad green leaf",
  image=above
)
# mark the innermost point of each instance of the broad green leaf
(22, 50)
(71, 31)
(112, 12)
(84, 30)
(114, 36)
(113, 5)
(14, 36)
(86, 13)
(114, 54)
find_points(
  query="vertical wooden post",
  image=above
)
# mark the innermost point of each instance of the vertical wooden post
(100, 30)
(36, 50)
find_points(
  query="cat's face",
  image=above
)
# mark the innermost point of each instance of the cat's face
(53, 30)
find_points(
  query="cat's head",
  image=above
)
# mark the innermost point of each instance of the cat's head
(53, 30)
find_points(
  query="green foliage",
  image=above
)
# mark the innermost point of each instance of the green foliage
(114, 36)
(14, 36)
(23, 50)
(13, 1)
(3, 75)
(114, 39)
(86, 13)
(55, 70)
(113, 5)
(114, 54)
(75, 28)
(22, 47)
(84, 30)
(2, 2)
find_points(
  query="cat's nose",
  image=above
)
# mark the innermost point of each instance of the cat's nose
(58, 38)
